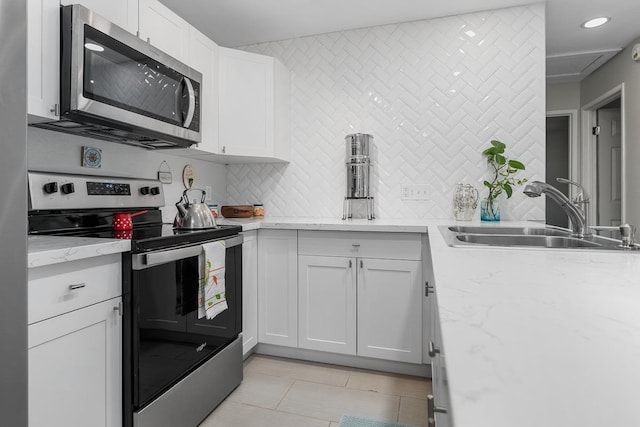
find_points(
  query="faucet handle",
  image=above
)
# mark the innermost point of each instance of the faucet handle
(582, 196)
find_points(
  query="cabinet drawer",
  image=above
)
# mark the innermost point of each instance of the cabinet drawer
(360, 244)
(60, 288)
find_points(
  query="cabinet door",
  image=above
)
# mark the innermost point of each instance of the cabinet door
(43, 59)
(163, 29)
(203, 57)
(390, 309)
(249, 291)
(327, 303)
(246, 103)
(123, 13)
(75, 368)
(278, 289)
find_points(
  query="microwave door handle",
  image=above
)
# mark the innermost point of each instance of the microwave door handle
(192, 102)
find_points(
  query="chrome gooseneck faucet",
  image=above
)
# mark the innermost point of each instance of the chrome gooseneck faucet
(578, 219)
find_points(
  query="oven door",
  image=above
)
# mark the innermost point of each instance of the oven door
(168, 340)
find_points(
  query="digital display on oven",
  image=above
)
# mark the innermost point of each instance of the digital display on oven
(108, 189)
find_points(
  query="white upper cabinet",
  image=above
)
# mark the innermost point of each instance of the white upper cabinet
(43, 48)
(202, 55)
(163, 29)
(123, 13)
(43, 59)
(254, 106)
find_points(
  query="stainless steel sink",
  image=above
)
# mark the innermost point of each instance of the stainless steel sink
(518, 231)
(535, 241)
(525, 237)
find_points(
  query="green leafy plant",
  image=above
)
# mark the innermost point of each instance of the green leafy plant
(503, 171)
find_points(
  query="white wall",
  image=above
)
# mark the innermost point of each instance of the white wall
(59, 152)
(622, 69)
(433, 93)
(563, 96)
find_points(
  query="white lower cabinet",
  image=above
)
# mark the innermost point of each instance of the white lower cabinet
(390, 309)
(249, 291)
(438, 403)
(357, 298)
(75, 343)
(75, 368)
(327, 303)
(278, 288)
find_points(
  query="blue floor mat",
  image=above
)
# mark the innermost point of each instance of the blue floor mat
(356, 421)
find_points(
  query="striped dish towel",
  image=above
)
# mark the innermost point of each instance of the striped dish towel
(211, 293)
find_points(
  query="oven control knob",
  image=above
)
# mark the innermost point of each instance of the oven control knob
(155, 190)
(50, 187)
(67, 188)
(144, 191)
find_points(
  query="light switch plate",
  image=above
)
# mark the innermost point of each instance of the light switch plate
(415, 192)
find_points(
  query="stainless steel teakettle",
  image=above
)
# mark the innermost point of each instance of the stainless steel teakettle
(193, 215)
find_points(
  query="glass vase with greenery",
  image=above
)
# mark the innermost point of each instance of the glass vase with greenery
(503, 180)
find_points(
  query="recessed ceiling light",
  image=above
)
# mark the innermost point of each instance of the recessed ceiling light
(595, 22)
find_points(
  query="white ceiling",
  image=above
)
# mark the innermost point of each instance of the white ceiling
(235, 23)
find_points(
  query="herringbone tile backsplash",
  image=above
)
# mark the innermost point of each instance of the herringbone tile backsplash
(433, 93)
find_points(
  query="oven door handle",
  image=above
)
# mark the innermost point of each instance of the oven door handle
(151, 259)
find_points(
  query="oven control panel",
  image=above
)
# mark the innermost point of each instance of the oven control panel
(108, 189)
(49, 190)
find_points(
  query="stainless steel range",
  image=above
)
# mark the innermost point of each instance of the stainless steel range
(177, 367)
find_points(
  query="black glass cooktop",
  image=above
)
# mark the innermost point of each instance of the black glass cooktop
(148, 232)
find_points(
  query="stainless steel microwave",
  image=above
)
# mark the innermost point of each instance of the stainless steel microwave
(117, 87)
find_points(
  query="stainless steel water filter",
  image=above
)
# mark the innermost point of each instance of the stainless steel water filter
(358, 172)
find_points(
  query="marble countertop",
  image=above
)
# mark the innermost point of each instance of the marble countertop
(46, 250)
(537, 337)
(328, 224)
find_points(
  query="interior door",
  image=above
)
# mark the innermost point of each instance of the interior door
(609, 161)
(557, 166)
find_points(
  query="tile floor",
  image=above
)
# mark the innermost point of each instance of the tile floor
(280, 392)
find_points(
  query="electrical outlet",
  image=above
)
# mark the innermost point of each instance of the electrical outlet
(415, 192)
(208, 191)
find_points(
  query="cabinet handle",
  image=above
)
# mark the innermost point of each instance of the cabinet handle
(350, 264)
(55, 110)
(433, 350)
(76, 286)
(356, 245)
(361, 264)
(432, 409)
(427, 288)
(224, 149)
(118, 308)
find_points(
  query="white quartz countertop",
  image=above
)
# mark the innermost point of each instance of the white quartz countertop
(539, 337)
(45, 250)
(531, 337)
(328, 224)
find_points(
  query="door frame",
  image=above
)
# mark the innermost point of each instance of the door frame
(574, 163)
(588, 147)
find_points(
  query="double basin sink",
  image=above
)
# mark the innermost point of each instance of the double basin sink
(532, 237)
